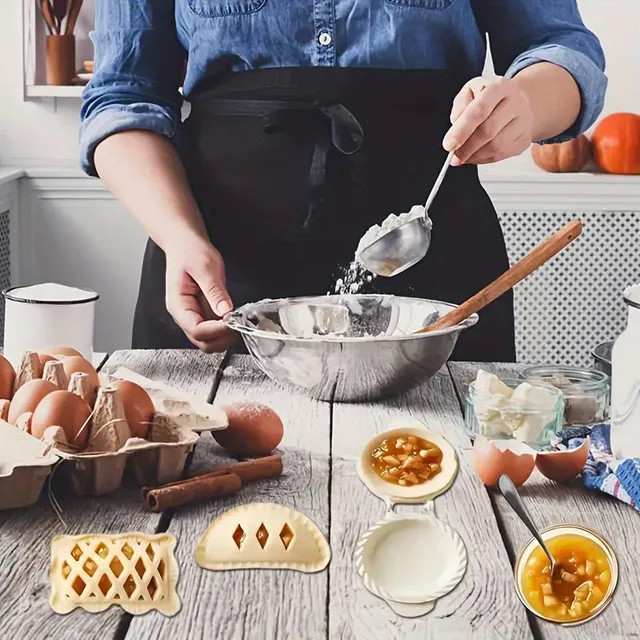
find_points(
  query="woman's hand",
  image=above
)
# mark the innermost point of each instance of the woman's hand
(196, 294)
(492, 119)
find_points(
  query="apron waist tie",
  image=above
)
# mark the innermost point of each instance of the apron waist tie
(331, 125)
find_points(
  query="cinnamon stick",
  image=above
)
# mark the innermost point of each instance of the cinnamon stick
(249, 470)
(179, 494)
(211, 484)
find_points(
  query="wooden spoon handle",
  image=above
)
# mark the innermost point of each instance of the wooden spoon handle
(72, 18)
(526, 266)
(47, 14)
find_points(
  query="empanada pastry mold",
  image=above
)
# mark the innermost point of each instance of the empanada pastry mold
(263, 536)
(415, 494)
(136, 571)
(411, 560)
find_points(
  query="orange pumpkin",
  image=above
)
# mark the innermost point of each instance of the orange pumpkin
(564, 157)
(616, 143)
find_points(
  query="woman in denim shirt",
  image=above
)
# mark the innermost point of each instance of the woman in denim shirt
(310, 121)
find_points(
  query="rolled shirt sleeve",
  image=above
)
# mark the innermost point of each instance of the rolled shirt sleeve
(526, 32)
(138, 68)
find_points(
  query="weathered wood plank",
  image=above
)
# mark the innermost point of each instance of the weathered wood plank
(551, 503)
(25, 534)
(484, 605)
(258, 603)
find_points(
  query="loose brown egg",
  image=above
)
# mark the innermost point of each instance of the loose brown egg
(44, 358)
(4, 410)
(254, 429)
(138, 407)
(7, 379)
(27, 398)
(75, 364)
(563, 466)
(62, 351)
(66, 410)
(492, 459)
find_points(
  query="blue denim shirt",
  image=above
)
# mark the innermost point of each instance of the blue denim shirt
(141, 45)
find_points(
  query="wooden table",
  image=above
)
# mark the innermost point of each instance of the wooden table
(321, 445)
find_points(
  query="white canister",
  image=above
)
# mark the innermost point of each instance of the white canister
(48, 315)
(625, 388)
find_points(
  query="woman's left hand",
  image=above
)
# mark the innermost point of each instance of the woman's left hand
(491, 120)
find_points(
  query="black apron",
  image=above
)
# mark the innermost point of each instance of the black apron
(291, 166)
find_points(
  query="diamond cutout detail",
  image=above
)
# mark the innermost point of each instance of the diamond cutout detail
(262, 535)
(78, 585)
(90, 567)
(140, 567)
(239, 536)
(152, 588)
(116, 567)
(105, 584)
(286, 535)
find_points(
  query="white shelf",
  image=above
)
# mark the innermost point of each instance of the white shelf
(46, 91)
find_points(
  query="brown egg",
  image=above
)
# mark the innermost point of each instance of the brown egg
(138, 407)
(27, 398)
(66, 410)
(254, 429)
(7, 379)
(563, 466)
(492, 460)
(74, 364)
(62, 351)
(44, 358)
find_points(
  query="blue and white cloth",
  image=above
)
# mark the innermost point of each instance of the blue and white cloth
(619, 478)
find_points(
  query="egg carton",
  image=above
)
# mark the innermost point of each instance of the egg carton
(159, 459)
(25, 464)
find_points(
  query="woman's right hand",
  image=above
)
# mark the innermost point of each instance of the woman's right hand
(196, 294)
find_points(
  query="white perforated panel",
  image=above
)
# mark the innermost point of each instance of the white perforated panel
(5, 267)
(574, 301)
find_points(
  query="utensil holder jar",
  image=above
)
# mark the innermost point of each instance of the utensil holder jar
(61, 59)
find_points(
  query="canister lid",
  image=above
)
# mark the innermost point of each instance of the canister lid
(50, 293)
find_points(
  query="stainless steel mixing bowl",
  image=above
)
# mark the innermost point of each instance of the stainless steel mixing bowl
(349, 348)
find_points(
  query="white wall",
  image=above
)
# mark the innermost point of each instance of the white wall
(76, 235)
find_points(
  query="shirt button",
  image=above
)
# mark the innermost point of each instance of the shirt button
(324, 39)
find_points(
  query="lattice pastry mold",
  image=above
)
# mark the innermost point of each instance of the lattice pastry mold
(135, 571)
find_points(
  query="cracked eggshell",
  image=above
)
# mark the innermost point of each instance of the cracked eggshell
(565, 465)
(492, 458)
(416, 494)
(438, 559)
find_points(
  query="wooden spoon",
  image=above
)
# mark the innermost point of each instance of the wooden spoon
(526, 266)
(47, 14)
(72, 18)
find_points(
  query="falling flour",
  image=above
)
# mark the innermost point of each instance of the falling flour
(355, 276)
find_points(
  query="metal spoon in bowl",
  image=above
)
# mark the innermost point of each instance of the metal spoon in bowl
(405, 245)
(511, 495)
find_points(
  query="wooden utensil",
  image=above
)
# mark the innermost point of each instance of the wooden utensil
(59, 13)
(526, 266)
(47, 14)
(72, 19)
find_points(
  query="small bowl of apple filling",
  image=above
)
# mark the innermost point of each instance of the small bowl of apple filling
(583, 583)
